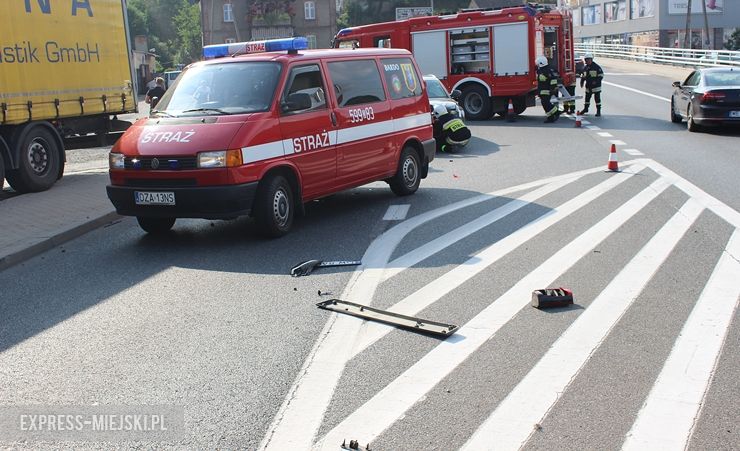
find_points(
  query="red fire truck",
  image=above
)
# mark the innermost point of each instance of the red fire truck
(488, 55)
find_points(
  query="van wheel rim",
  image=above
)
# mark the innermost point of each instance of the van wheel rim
(281, 208)
(38, 156)
(409, 172)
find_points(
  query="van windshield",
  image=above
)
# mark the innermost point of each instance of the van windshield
(216, 89)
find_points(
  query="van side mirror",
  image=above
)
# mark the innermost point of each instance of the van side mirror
(456, 93)
(676, 84)
(296, 102)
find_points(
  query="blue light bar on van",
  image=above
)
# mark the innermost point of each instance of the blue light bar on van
(242, 48)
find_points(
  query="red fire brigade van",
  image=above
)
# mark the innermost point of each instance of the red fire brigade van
(487, 55)
(261, 127)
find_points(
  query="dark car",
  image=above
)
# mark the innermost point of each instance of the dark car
(708, 96)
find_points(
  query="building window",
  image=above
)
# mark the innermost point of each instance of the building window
(309, 10)
(614, 11)
(311, 41)
(642, 8)
(230, 40)
(591, 15)
(228, 12)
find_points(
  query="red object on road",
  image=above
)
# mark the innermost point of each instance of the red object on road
(578, 119)
(613, 166)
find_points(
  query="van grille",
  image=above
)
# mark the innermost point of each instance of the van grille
(162, 163)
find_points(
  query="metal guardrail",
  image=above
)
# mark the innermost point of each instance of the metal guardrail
(661, 55)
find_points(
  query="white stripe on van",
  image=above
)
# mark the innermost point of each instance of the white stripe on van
(251, 154)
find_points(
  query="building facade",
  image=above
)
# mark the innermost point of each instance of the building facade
(225, 21)
(654, 23)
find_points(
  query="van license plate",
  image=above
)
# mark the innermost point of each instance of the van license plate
(151, 198)
(734, 113)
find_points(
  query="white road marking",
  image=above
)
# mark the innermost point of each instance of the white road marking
(617, 142)
(513, 421)
(593, 127)
(434, 291)
(634, 152)
(624, 73)
(427, 250)
(585, 122)
(605, 134)
(386, 407)
(302, 411)
(667, 419)
(637, 91)
(397, 212)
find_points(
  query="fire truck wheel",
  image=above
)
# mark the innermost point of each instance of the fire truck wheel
(476, 103)
(39, 161)
(408, 175)
(274, 207)
(155, 226)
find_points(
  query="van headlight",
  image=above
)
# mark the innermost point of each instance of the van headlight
(116, 160)
(220, 159)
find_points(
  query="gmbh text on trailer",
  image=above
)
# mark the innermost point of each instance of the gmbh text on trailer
(259, 128)
(486, 54)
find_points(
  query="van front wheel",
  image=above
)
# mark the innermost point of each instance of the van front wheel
(408, 175)
(274, 207)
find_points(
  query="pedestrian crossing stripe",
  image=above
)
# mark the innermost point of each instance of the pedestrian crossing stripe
(343, 338)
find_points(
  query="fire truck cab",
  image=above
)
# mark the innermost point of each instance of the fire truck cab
(488, 55)
(262, 127)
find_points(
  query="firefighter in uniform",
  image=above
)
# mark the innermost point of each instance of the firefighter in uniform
(450, 131)
(591, 76)
(547, 85)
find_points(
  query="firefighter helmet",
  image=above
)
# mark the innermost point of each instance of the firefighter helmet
(541, 61)
(439, 111)
(588, 56)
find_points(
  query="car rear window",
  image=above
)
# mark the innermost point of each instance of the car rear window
(401, 78)
(722, 78)
(356, 82)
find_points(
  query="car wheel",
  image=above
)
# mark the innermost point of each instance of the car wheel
(690, 122)
(155, 226)
(40, 159)
(274, 207)
(408, 175)
(675, 118)
(476, 103)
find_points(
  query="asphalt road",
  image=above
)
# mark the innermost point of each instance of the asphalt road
(208, 319)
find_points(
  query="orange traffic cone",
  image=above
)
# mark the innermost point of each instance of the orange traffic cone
(578, 119)
(510, 115)
(613, 166)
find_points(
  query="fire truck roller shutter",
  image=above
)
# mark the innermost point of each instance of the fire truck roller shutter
(511, 49)
(427, 48)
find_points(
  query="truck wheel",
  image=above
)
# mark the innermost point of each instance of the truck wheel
(2, 172)
(408, 175)
(476, 103)
(274, 207)
(38, 163)
(155, 226)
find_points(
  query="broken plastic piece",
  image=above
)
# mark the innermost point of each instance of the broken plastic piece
(305, 268)
(384, 316)
(354, 445)
(552, 297)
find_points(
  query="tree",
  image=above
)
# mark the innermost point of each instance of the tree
(734, 42)
(188, 42)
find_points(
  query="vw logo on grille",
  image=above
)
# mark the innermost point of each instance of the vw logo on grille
(155, 163)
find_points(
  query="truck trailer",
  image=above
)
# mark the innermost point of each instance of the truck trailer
(65, 70)
(486, 54)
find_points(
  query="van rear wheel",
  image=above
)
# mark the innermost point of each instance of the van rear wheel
(274, 207)
(155, 226)
(408, 175)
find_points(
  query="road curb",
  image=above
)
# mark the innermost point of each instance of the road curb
(56, 240)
